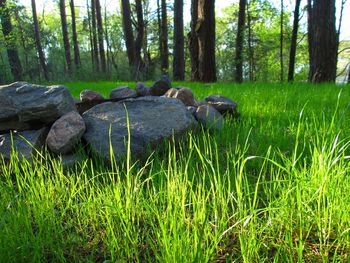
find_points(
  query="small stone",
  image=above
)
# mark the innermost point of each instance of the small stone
(185, 95)
(122, 93)
(170, 93)
(160, 87)
(209, 117)
(65, 133)
(222, 104)
(90, 95)
(142, 89)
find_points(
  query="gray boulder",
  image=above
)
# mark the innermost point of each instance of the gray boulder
(122, 93)
(152, 119)
(65, 133)
(24, 144)
(209, 117)
(24, 105)
(222, 104)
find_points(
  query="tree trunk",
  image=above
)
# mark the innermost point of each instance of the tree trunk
(94, 34)
(108, 53)
(164, 52)
(15, 63)
(128, 32)
(65, 35)
(349, 75)
(281, 42)
(100, 36)
(293, 45)
(38, 42)
(239, 41)
(322, 41)
(90, 36)
(250, 45)
(75, 36)
(179, 52)
(206, 38)
(193, 41)
(139, 65)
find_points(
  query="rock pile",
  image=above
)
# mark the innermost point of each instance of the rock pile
(33, 118)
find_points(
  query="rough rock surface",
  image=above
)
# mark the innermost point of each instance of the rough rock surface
(160, 87)
(222, 104)
(142, 90)
(90, 95)
(209, 117)
(24, 143)
(24, 105)
(65, 133)
(183, 94)
(151, 120)
(122, 93)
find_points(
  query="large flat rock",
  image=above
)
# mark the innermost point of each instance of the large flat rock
(24, 106)
(151, 119)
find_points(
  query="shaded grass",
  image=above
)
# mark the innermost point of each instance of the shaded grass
(271, 187)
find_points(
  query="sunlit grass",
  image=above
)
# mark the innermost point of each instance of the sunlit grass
(273, 186)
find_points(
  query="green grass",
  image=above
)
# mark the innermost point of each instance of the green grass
(272, 187)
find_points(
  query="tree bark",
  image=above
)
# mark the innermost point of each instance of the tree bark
(38, 42)
(193, 41)
(100, 36)
(293, 45)
(94, 35)
(128, 32)
(90, 36)
(164, 39)
(65, 35)
(179, 53)
(75, 35)
(322, 41)
(281, 43)
(139, 64)
(239, 41)
(250, 45)
(206, 38)
(12, 53)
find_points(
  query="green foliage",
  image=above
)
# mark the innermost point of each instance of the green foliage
(271, 187)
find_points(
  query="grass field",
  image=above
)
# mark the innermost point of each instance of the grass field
(272, 187)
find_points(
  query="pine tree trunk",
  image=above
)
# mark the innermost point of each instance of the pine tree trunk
(38, 42)
(100, 36)
(322, 41)
(65, 35)
(14, 61)
(164, 39)
(94, 35)
(108, 62)
(193, 41)
(281, 43)
(139, 64)
(90, 36)
(75, 35)
(206, 37)
(250, 45)
(293, 45)
(239, 41)
(128, 32)
(179, 52)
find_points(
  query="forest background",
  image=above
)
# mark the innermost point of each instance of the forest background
(97, 41)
